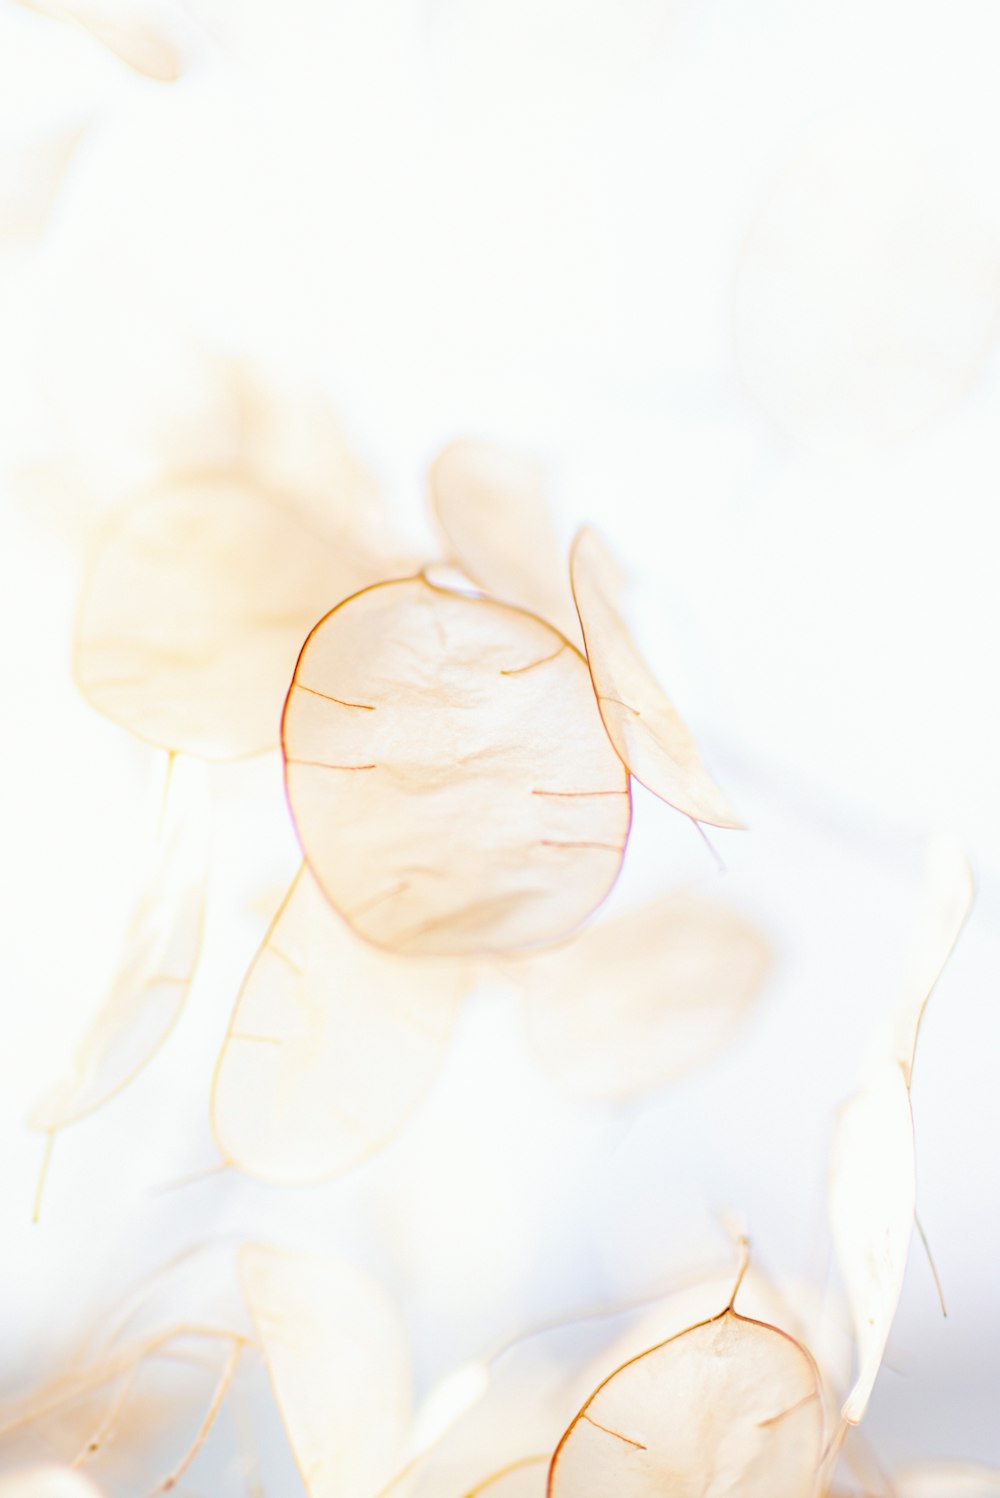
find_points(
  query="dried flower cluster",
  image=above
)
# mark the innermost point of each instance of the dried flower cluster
(460, 727)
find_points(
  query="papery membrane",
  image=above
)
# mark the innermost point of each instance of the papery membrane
(730, 1406)
(449, 776)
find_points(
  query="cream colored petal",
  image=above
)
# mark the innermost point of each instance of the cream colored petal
(728, 1407)
(949, 892)
(872, 1200)
(490, 505)
(338, 1359)
(637, 1000)
(332, 1045)
(947, 1480)
(651, 739)
(194, 610)
(451, 782)
(158, 966)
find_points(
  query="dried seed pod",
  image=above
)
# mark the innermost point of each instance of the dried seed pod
(651, 739)
(339, 1363)
(873, 1173)
(640, 999)
(729, 1405)
(195, 607)
(451, 783)
(332, 1045)
(490, 506)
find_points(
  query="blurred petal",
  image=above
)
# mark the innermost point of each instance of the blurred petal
(637, 1000)
(490, 505)
(331, 1047)
(338, 1359)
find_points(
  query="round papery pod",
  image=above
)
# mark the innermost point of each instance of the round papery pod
(450, 779)
(730, 1405)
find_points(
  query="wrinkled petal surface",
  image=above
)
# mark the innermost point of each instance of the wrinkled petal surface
(450, 780)
(730, 1408)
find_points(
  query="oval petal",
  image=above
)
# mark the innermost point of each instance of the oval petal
(728, 1406)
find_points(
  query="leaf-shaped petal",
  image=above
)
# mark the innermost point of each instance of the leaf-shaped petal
(872, 1200)
(650, 737)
